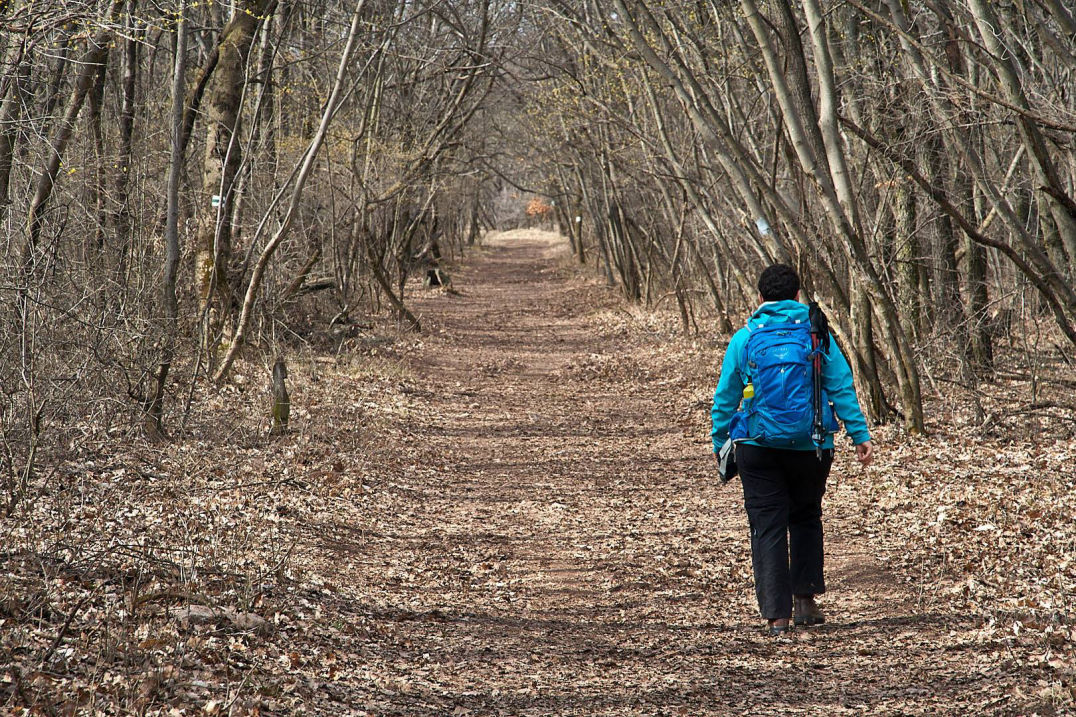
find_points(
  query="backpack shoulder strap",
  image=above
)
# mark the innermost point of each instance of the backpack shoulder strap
(745, 369)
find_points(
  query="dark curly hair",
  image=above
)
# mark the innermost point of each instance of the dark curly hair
(778, 282)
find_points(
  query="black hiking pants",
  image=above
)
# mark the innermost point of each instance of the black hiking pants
(782, 492)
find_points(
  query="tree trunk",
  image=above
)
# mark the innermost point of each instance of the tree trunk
(945, 272)
(907, 256)
(154, 410)
(868, 383)
(121, 217)
(98, 188)
(11, 107)
(307, 165)
(221, 161)
(980, 344)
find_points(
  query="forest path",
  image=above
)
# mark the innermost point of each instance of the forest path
(555, 541)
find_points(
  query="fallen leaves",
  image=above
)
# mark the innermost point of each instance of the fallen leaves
(519, 515)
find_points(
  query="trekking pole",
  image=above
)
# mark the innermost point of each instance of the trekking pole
(819, 341)
(818, 433)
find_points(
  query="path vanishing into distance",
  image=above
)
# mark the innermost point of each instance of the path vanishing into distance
(548, 536)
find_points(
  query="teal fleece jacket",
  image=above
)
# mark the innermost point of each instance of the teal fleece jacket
(836, 378)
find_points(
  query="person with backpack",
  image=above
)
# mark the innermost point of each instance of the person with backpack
(783, 385)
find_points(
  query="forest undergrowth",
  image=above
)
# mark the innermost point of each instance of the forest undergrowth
(516, 512)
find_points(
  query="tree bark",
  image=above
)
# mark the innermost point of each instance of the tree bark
(121, 216)
(907, 256)
(221, 161)
(11, 108)
(99, 187)
(945, 279)
(153, 423)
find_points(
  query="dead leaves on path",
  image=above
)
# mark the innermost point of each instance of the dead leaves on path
(433, 544)
(987, 531)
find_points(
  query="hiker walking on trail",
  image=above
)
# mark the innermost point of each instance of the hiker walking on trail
(790, 383)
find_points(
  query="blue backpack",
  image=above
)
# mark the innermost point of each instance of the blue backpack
(778, 365)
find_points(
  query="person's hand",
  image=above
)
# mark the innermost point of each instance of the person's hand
(717, 462)
(865, 453)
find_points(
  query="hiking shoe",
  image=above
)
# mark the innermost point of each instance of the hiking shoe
(807, 611)
(773, 629)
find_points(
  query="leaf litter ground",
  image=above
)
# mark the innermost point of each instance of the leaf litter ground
(516, 512)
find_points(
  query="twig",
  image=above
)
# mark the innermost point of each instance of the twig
(63, 629)
(193, 598)
(1040, 408)
(227, 709)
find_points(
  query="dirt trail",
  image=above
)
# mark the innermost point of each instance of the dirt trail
(554, 540)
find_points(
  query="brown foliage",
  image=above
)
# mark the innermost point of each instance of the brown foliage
(519, 513)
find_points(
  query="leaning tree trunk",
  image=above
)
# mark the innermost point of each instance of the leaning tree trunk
(222, 104)
(306, 167)
(641, 25)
